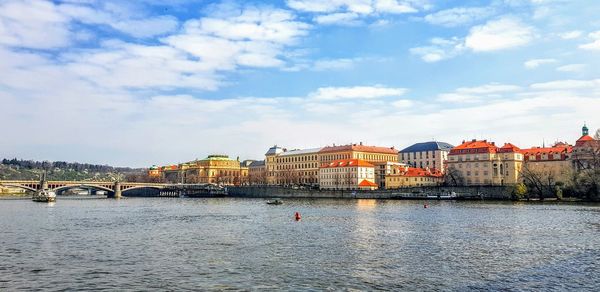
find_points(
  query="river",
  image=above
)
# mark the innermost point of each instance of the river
(245, 244)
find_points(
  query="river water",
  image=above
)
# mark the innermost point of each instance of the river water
(245, 244)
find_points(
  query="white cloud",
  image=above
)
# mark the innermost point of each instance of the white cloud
(571, 34)
(458, 16)
(439, 49)
(403, 103)
(503, 33)
(572, 68)
(595, 44)
(485, 92)
(534, 63)
(499, 34)
(33, 24)
(352, 12)
(567, 84)
(348, 18)
(357, 92)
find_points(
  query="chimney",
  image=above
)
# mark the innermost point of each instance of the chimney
(474, 140)
(494, 143)
(360, 143)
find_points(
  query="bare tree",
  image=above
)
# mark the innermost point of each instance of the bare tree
(453, 177)
(539, 181)
(597, 135)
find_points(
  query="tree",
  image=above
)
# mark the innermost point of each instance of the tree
(453, 177)
(597, 135)
(539, 180)
(519, 191)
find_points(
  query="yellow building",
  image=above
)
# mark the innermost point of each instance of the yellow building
(550, 162)
(301, 166)
(404, 176)
(483, 163)
(214, 169)
(371, 154)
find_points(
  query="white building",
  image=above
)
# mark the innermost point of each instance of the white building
(426, 155)
(347, 174)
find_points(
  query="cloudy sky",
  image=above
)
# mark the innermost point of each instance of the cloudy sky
(136, 83)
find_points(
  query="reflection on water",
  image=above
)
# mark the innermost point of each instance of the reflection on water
(221, 244)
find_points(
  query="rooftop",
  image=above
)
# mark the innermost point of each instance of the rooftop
(347, 163)
(301, 151)
(427, 146)
(359, 148)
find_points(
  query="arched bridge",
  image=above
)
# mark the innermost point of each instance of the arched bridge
(114, 189)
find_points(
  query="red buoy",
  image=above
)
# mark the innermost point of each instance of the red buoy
(297, 216)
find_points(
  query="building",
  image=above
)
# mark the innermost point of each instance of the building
(347, 174)
(371, 154)
(257, 172)
(479, 162)
(553, 162)
(383, 169)
(298, 166)
(214, 169)
(431, 154)
(586, 152)
(405, 176)
(154, 172)
(301, 166)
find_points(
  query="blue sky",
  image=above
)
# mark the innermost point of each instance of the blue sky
(141, 82)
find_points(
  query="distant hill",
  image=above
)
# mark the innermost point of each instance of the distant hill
(18, 169)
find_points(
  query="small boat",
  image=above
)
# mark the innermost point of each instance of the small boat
(274, 202)
(44, 196)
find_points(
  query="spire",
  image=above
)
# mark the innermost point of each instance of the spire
(585, 131)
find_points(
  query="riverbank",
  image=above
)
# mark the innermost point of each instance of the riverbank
(459, 193)
(501, 193)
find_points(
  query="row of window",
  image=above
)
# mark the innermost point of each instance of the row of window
(408, 155)
(297, 166)
(302, 158)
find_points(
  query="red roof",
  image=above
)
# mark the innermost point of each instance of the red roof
(419, 172)
(359, 148)
(347, 163)
(475, 146)
(585, 138)
(508, 148)
(366, 183)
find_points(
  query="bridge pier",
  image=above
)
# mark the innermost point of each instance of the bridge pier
(118, 192)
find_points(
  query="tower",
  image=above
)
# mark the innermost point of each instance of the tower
(585, 131)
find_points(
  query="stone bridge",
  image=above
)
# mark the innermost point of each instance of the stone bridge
(113, 189)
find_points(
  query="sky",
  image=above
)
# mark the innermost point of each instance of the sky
(141, 82)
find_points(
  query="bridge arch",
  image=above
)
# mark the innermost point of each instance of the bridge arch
(64, 188)
(20, 186)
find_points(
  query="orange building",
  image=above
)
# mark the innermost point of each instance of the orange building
(586, 151)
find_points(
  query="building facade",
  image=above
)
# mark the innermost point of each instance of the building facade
(550, 162)
(214, 169)
(405, 176)
(371, 154)
(431, 155)
(257, 172)
(586, 152)
(301, 166)
(347, 174)
(479, 162)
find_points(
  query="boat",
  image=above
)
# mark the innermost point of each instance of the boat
(447, 196)
(274, 202)
(44, 196)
